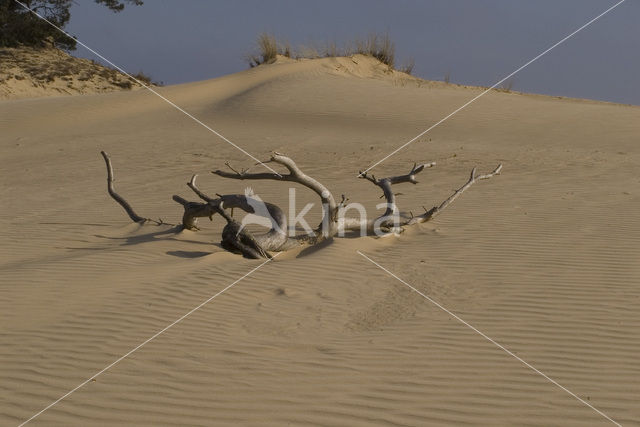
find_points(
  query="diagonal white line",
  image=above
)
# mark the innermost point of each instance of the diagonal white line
(168, 101)
(500, 346)
(146, 341)
(492, 87)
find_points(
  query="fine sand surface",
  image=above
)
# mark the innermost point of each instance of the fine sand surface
(543, 258)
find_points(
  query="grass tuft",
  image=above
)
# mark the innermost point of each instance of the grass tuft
(506, 86)
(376, 45)
(379, 46)
(267, 48)
(407, 67)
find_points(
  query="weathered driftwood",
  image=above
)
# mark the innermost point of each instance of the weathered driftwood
(433, 212)
(235, 238)
(193, 211)
(390, 219)
(329, 226)
(273, 240)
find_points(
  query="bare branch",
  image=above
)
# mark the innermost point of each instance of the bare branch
(118, 198)
(229, 166)
(473, 178)
(244, 174)
(193, 211)
(385, 221)
(386, 183)
(192, 185)
(410, 177)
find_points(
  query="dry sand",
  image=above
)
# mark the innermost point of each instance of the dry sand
(543, 258)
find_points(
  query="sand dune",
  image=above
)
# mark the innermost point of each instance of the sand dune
(543, 259)
(28, 72)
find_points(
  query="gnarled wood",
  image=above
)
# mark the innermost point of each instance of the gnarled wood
(237, 239)
(386, 183)
(328, 227)
(391, 219)
(273, 240)
(193, 211)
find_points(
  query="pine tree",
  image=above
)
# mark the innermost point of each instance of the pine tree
(19, 27)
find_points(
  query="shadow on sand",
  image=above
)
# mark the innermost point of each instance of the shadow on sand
(188, 254)
(167, 234)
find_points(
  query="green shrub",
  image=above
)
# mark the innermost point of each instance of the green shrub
(142, 77)
(20, 27)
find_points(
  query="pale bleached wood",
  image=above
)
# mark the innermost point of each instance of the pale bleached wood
(436, 210)
(385, 221)
(328, 227)
(237, 239)
(273, 239)
(386, 183)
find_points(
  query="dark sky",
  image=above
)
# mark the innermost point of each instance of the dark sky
(476, 42)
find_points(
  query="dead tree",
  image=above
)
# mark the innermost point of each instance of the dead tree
(237, 239)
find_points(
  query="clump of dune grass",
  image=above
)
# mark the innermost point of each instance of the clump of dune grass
(407, 67)
(379, 46)
(268, 49)
(332, 50)
(506, 86)
(146, 79)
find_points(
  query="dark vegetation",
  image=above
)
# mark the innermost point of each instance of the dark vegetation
(19, 27)
(26, 43)
(45, 65)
